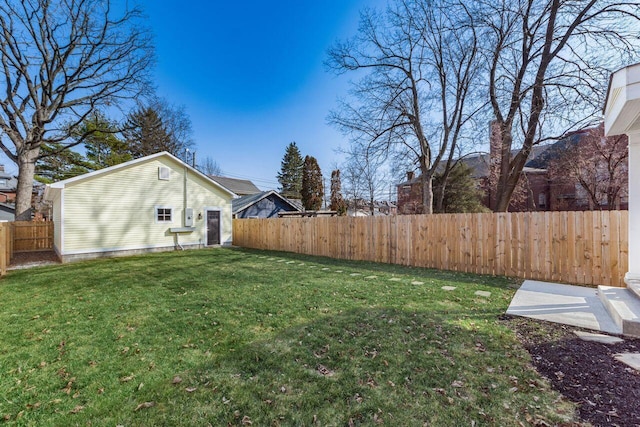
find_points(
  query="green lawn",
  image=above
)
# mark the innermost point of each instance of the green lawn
(235, 337)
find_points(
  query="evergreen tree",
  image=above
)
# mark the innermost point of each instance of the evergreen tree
(102, 145)
(312, 192)
(461, 194)
(57, 163)
(337, 201)
(159, 126)
(290, 175)
(146, 133)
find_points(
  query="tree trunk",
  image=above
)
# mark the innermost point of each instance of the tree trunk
(503, 193)
(26, 171)
(427, 193)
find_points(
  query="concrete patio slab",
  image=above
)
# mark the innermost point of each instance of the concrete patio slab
(485, 294)
(629, 359)
(566, 304)
(601, 338)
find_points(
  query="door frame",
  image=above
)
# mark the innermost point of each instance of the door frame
(206, 224)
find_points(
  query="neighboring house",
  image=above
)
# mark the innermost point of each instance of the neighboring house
(541, 190)
(266, 204)
(154, 203)
(8, 186)
(7, 212)
(361, 207)
(240, 187)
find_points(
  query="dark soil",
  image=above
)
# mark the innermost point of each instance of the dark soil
(606, 391)
(32, 259)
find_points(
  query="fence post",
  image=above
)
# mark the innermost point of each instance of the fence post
(4, 249)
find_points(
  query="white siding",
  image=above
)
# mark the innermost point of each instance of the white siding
(116, 210)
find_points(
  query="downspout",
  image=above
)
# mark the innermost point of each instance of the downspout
(184, 206)
(184, 199)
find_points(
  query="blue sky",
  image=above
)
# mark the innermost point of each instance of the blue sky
(252, 79)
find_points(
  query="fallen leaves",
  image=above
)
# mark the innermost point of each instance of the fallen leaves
(77, 409)
(67, 388)
(321, 352)
(323, 370)
(145, 405)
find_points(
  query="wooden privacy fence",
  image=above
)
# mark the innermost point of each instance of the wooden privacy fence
(23, 236)
(586, 248)
(6, 243)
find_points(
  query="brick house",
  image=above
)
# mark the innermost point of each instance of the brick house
(540, 190)
(8, 186)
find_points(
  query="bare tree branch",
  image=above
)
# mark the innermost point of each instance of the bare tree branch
(61, 61)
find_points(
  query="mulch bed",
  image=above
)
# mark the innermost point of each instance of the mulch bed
(31, 259)
(606, 391)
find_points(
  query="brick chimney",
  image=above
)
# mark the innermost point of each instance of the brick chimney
(495, 142)
(409, 175)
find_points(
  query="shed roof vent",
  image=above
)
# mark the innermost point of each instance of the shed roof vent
(164, 173)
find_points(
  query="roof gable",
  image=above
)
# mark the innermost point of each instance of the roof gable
(133, 163)
(244, 202)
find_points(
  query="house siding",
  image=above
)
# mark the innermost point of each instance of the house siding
(116, 211)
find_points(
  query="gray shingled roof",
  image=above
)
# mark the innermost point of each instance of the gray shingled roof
(479, 163)
(7, 212)
(241, 187)
(8, 182)
(244, 202)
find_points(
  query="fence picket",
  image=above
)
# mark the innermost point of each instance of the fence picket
(587, 248)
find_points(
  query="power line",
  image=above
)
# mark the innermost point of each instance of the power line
(251, 178)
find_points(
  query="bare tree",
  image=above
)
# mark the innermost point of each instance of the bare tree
(352, 183)
(420, 59)
(596, 164)
(210, 167)
(548, 64)
(61, 60)
(178, 125)
(365, 176)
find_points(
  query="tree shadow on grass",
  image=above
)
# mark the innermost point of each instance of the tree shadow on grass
(368, 366)
(393, 269)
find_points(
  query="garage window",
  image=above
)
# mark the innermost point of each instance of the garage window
(164, 214)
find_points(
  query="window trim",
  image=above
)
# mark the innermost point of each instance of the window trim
(156, 214)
